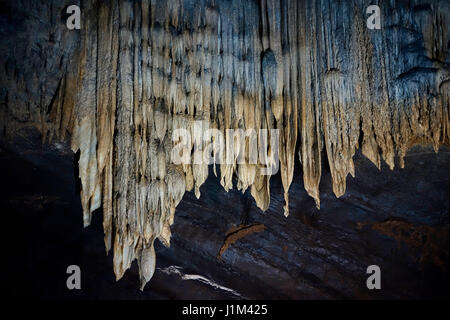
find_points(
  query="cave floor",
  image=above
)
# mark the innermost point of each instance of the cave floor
(398, 220)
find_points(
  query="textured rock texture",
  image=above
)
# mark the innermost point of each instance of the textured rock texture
(396, 219)
(139, 70)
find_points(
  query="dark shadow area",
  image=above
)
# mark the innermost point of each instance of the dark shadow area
(395, 219)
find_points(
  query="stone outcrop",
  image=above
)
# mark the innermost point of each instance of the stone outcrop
(139, 70)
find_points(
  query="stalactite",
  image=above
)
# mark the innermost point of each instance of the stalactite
(311, 69)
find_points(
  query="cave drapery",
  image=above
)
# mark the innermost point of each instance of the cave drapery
(312, 69)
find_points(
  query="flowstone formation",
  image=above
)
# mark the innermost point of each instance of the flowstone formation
(313, 70)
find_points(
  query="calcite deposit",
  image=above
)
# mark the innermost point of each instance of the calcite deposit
(137, 71)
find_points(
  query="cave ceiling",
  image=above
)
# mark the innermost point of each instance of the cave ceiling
(307, 81)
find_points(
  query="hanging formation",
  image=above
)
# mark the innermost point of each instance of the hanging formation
(311, 70)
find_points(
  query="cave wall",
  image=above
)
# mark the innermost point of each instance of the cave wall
(139, 70)
(395, 219)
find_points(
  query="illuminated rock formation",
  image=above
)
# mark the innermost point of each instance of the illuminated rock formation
(311, 69)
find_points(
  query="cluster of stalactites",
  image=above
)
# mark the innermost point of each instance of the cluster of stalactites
(146, 68)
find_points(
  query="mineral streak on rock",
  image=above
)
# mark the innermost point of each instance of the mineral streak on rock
(311, 69)
(236, 233)
(431, 242)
